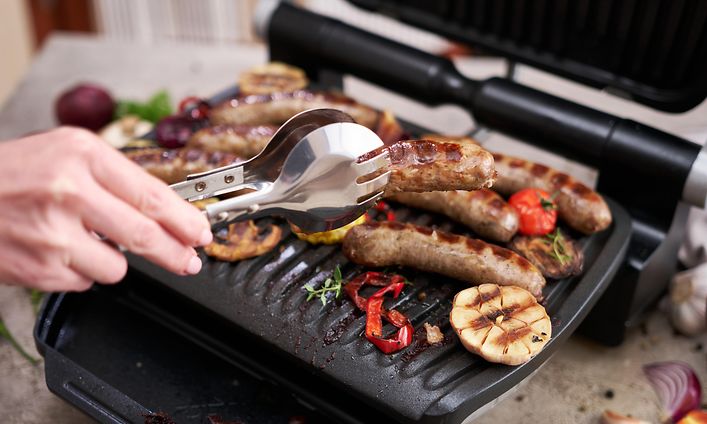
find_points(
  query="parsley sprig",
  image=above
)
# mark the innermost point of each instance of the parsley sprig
(331, 285)
(5, 334)
(557, 241)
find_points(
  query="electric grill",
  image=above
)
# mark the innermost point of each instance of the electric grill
(240, 341)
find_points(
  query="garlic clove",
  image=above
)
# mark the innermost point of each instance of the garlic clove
(119, 133)
(688, 301)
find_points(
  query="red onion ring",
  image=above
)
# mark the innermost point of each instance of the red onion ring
(677, 387)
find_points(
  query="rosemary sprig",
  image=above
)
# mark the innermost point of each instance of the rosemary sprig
(5, 334)
(557, 241)
(331, 285)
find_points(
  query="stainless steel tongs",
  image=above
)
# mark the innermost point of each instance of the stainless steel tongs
(310, 173)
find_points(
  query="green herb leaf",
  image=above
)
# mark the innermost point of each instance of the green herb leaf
(332, 285)
(557, 241)
(5, 334)
(35, 297)
(154, 109)
(546, 204)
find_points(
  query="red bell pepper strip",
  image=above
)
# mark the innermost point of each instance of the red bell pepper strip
(373, 306)
(374, 332)
(371, 278)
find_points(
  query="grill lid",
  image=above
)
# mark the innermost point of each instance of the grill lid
(654, 52)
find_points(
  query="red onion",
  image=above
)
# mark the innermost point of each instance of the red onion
(174, 131)
(677, 387)
(85, 105)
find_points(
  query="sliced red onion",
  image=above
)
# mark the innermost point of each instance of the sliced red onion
(677, 387)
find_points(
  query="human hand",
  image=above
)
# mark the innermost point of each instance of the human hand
(58, 189)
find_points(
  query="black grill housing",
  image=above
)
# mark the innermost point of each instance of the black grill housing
(653, 51)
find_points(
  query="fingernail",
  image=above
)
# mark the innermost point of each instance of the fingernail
(194, 265)
(206, 237)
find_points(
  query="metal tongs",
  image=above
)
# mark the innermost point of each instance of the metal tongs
(311, 172)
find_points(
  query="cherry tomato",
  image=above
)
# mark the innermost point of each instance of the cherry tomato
(537, 212)
(195, 107)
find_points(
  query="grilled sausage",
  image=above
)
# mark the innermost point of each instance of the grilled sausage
(173, 165)
(426, 165)
(277, 108)
(244, 141)
(484, 211)
(474, 261)
(453, 138)
(579, 206)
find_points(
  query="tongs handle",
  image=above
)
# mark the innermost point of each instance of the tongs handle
(211, 183)
(246, 206)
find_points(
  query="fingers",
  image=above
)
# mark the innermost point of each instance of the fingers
(147, 194)
(123, 224)
(30, 271)
(96, 260)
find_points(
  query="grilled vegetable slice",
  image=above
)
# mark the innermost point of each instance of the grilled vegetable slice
(503, 324)
(327, 237)
(273, 77)
(554, 254)
(244, 240)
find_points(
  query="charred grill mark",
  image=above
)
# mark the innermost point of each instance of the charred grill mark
(447, 237)
(510, 336)
(523, 263)
(487, 297)
(478, 324)
(539, 170)
(497, 157)
(517, 163)
(405, 152)
(424, 230)
(580, 190)
(501, 252)
(475, 245)
(560, 179)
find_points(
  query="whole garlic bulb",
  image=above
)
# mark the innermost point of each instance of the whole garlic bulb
(688, 300)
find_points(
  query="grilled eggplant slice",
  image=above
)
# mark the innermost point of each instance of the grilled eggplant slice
(244, 240)
(555, 254)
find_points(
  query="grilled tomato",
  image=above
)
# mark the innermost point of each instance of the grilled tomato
(537, 211)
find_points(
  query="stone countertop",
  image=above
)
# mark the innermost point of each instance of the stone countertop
(574, 386)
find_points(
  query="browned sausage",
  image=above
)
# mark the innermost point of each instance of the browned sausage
(244, 141)
(173, 165)
(277, 108)
(441, 137)
(426, 165)
(579, 206)
(392, 243)
(484, 211)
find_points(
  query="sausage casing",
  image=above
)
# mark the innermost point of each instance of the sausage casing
(426, 165)
(276, 108)
(579, 206)
(244, 141)
(379, 244)
(483, 211)
(173, 165)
